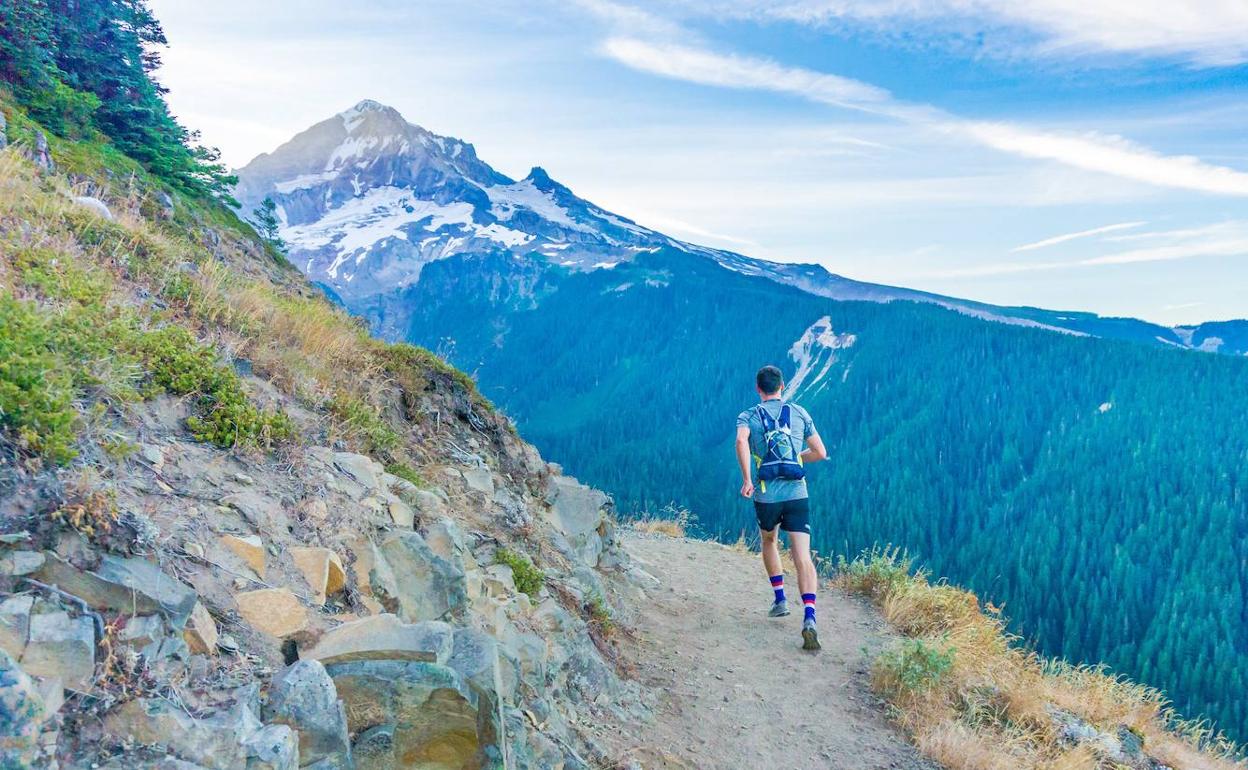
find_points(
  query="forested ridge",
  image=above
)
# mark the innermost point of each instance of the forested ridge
(1095, 489)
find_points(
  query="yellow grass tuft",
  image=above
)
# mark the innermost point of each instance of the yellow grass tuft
(972, 698)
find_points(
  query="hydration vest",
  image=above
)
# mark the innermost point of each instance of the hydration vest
(782, 456)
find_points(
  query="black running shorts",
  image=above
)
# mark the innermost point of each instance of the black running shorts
(791, 515)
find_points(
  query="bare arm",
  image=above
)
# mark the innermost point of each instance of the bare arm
(814, 450)
(743, 461)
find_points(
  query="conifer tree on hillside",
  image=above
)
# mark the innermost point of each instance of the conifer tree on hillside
(79, 65)
(264, 219)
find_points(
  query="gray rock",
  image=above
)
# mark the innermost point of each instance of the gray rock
(432, 710)
(428, 503)
(217, 741)
(121, 584)
(165, 200)
(384, 637)
(94, 204)
(15, 624)
(580, 513)
(426, 586)
(43, 154)
(272, 747)
(4, 136)
(61, 647)
(361, 468)
(480, 480)
(21, 715)
(303, 696)
(18, 563)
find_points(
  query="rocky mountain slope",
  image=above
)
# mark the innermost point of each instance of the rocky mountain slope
(366, 200)
(237, 532)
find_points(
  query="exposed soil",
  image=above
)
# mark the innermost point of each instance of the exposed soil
(735, 689)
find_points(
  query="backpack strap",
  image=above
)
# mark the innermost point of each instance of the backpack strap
(784, 417)
(765, 418)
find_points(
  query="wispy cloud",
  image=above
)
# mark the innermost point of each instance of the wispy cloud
(1201, 32)
(1073, 236)
(1229, 246)
(1105, 154)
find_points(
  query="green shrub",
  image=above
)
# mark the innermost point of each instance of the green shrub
(177, 364)
(529, 579)
(912, 666)
(36, 389)
(600, 613)
(359, 419)
(407, 473)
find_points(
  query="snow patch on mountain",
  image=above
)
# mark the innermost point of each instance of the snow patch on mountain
(814, 353)
(507, 199)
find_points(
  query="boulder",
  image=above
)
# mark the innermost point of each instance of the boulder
(61, 647)
(480, 480)
(272, 747)
(142, 630)
(400, 512)
(384, 637)
(475, 656)
(579, 513)
(322, 569)
(17, 563)
(220, 741)
(94, 205)
(120, 584)
(303, 697)
(425, 585)
(21, 715)
(4, 135)
(362, 469)
(43, 154)
(249, 548)
(275, 611)
(429, 712)
(15, 624)
(428, 503)
(201, 631)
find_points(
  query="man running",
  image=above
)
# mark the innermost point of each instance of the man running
(775, 441)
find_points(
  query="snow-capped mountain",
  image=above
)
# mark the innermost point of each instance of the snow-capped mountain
(366, 199)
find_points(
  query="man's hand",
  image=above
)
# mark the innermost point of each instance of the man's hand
(743, 460)
(747, 489)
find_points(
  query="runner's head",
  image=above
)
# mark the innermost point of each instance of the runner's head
(769, 381)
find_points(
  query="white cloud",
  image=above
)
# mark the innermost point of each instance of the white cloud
(1113, 155)
(1202, 32)
(1220, 241)
(1101, 153)
(1080, 234)
(698, 65)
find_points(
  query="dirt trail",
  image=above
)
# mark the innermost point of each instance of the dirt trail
(736, 690)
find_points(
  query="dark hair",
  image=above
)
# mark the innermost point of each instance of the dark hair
(769, 379)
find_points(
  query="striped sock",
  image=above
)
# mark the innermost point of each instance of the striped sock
(808, 600)
(777, 583)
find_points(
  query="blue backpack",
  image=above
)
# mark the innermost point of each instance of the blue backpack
(782, 457)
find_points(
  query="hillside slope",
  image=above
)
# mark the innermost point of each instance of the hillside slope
(236, 531)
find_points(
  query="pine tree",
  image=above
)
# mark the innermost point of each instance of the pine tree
(264, 219)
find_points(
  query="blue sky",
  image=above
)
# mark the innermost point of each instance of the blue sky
(1060, 153)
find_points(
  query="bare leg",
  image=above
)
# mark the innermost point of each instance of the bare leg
(799, 549)
(771, 551)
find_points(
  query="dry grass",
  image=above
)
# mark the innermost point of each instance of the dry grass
(993, 705)
(672, 522)
(229, 293)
